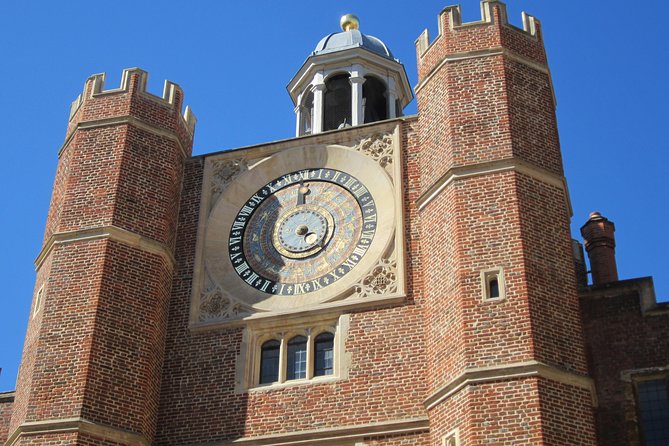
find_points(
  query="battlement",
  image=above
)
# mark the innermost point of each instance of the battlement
(493, 12)
(133, 81)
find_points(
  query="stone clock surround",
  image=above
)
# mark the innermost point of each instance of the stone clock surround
(220, 297)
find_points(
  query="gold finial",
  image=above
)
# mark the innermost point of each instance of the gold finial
(349, 22)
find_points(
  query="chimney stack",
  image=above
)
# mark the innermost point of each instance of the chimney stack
(600, 243)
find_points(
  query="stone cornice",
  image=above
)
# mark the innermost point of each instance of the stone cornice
(497, 51)
(7, 397)
(80, 425)
(505, 165)
(106, 232)
(519, 370)
(121, 120)
(333, 435)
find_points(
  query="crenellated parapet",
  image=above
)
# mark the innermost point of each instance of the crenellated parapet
(492, 32)
(131, 99)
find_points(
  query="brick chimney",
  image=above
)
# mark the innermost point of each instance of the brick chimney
(600, 243)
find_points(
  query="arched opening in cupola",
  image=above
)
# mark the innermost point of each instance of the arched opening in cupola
(337, 102)
(374, 100)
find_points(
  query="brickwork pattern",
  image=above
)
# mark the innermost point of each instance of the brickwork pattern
(620, 338)
(6, 408)
(386, 376)
(30, 346)
(473, 111)
(102, 324)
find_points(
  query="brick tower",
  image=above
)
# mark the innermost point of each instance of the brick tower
(505, 346)
(94, 348)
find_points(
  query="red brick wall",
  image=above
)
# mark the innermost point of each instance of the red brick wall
(621, 338)
(95, 349)
(386, 376)
(6, 407)
(472, 111)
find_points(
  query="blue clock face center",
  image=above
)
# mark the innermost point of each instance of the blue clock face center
(302, 229)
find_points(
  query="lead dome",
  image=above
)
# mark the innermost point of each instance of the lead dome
(349, 79)
(351, 39)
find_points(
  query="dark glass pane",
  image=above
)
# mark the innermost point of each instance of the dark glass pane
(323, 354)
(374, 98)
(269, 362)
(337, 102)
(494, 288)
(297, 358)
(653, 399)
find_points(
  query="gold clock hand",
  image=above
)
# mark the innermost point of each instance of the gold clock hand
(301, 192)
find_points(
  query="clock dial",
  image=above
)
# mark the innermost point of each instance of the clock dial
(302, 232)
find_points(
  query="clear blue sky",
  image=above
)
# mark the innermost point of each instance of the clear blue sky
(609, 62)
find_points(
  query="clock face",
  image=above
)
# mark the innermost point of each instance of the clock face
(302, 232)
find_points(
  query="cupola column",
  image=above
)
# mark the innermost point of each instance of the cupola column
(391, 97)
(299, 109)
(357, 79)
(318, 89)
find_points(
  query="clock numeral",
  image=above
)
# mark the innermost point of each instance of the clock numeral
(360, 191)
(241, 268)
(246, 211)
(264, 286)
(367, 235)
(287, 180)
(238, 225)
(235, 240)
(360, 251)
(370, 218)
(252, 278)
(350, 264)
(299, 288)
(316, 284)
(256, 199)
(349, 183)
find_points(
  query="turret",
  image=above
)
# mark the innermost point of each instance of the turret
(502, 310)
(350, 79)
(93, 354)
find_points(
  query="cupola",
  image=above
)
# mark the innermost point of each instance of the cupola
(349, 79)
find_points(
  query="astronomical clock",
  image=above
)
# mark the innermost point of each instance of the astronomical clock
(309, 225)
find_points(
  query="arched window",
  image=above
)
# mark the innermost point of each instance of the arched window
(297, 358)
(323, 354)
(337, 102)
(307, 114)
(492, 283)
(269, 362)
(375, 104)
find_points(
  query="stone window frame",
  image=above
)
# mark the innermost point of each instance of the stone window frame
(39, 298)
(487, 275)
(255, 335)
(633, 377)
(452, 438)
